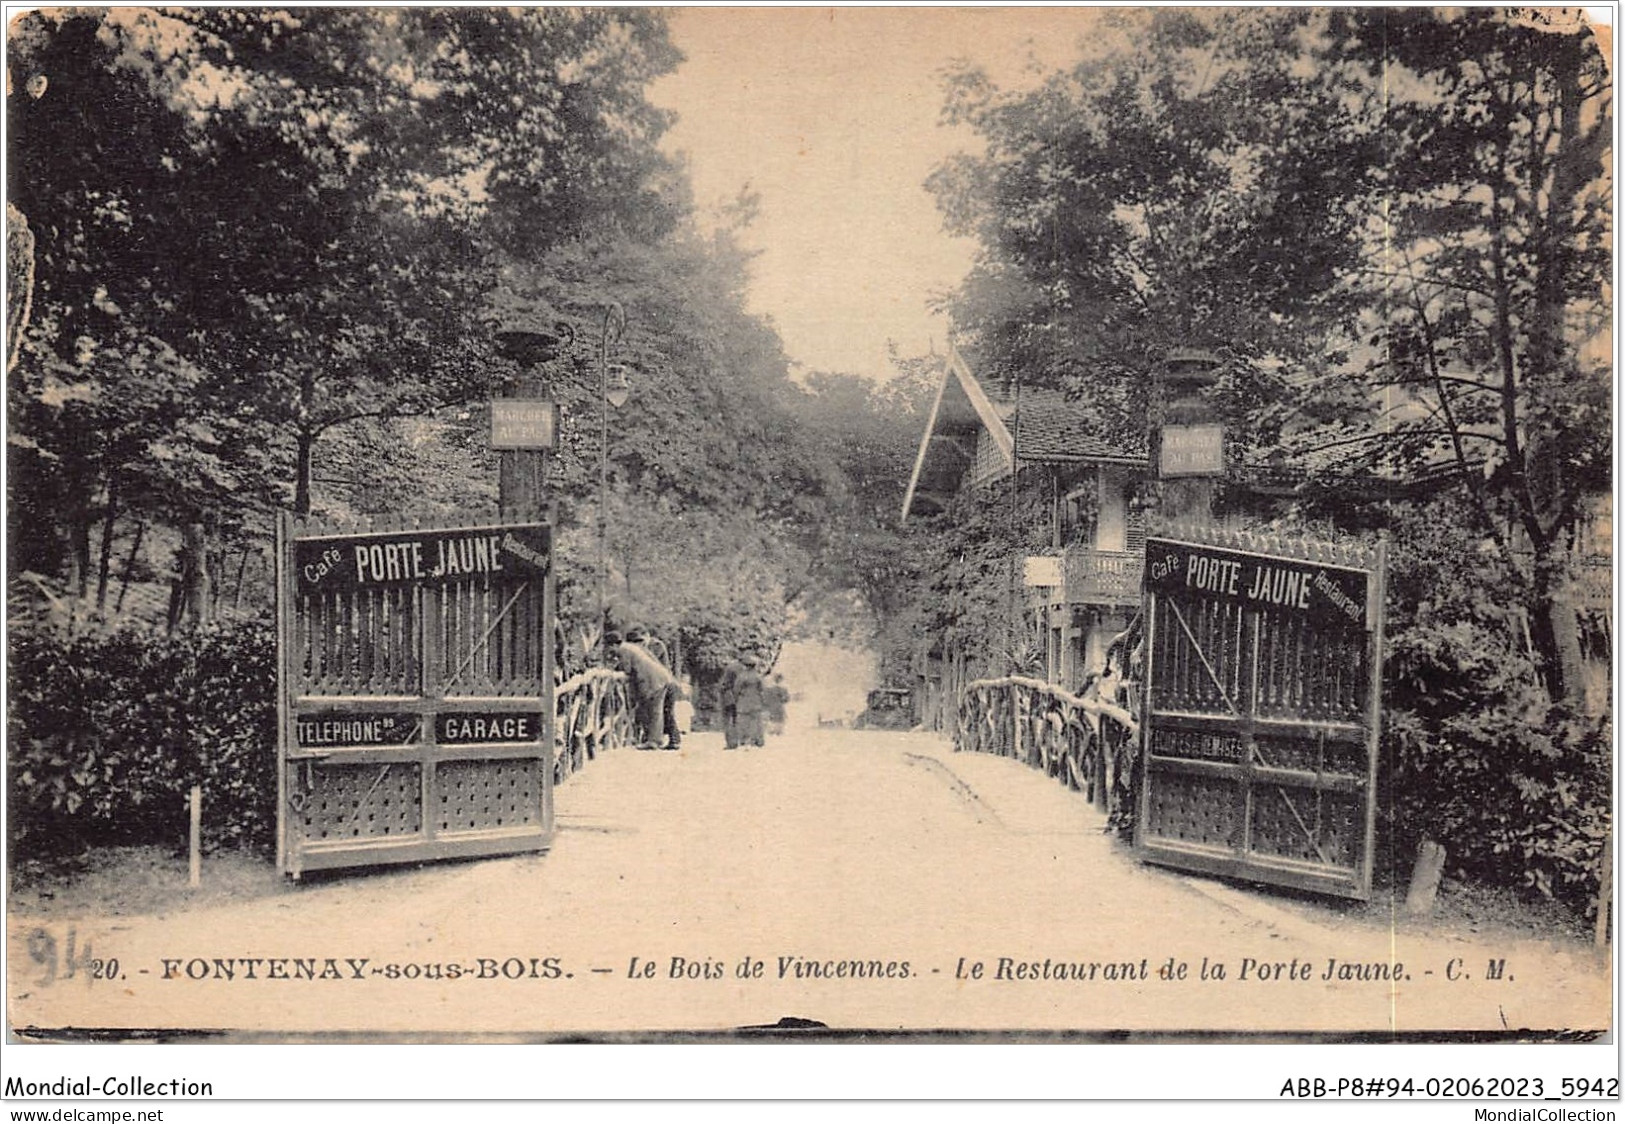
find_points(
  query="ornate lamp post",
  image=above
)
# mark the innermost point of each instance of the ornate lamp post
(610, 393)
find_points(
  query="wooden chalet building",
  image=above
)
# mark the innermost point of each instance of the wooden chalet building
(1082, 586)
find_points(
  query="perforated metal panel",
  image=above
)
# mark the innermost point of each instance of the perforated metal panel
(336, 802)
(486, 795)
(1200, 810)
(1261, 716)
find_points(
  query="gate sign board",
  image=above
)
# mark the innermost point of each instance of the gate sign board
(1330, 596)
(343, 728)
(1261, 713)
(414, 691)
(475, 727)
(419, 557)
(1042, 571)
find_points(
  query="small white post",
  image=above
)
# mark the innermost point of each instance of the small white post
(1425, 878)
(194, 841)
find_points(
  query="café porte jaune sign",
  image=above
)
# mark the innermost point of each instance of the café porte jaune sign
(378, 559)
(1327, 594)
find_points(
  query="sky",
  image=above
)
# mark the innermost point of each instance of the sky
(831, 116)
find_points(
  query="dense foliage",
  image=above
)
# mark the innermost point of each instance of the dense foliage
(1478, 756)
(289, 293)
(107, 733)
(1183, 186)
(1393, 226)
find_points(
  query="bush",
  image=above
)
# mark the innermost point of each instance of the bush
(107, 733)
(1516, 789)
(1477, 757)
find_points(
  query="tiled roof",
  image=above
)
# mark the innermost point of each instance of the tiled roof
(1053, 428)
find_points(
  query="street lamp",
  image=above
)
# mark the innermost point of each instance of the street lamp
(609, 394)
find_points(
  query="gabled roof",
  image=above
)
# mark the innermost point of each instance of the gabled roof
(960, 412)
(1037, 426)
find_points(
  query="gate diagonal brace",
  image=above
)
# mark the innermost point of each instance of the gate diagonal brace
(361, 805)
(1201, 655)
(495, 621)
(1312, 836)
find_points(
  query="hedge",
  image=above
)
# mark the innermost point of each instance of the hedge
(1519, 790)
(108, 732)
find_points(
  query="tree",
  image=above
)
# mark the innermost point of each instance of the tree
(1490, 264)
(429, 146)
(711, 489)
(1184, 187)
(104, 411)
(258, 230)
(866, 435)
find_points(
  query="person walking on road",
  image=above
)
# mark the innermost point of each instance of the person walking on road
(776, 704)
(750, 695)
(727, 701)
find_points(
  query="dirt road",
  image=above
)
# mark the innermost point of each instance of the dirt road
(859, 880)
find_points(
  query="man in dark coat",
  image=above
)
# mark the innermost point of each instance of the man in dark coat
(656, 649)
(727, 701)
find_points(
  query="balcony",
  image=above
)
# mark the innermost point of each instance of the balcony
(1102, 577)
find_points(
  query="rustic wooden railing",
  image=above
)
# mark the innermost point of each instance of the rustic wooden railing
(1086, 743)
(591, 715)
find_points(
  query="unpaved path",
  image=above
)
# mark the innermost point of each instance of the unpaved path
(861, 880)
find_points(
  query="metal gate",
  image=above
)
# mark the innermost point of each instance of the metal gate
(1263, 675)
(415, 700)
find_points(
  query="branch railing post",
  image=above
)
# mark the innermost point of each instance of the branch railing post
(591, 715)
(1076, 739)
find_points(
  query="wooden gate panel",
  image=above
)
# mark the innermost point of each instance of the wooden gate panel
(358, 643)
(1305, 673)
(489, 638)
(1260, 732)
(1193, 641)
(415, 692)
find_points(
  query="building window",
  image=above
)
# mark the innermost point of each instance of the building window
(1078, 517)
